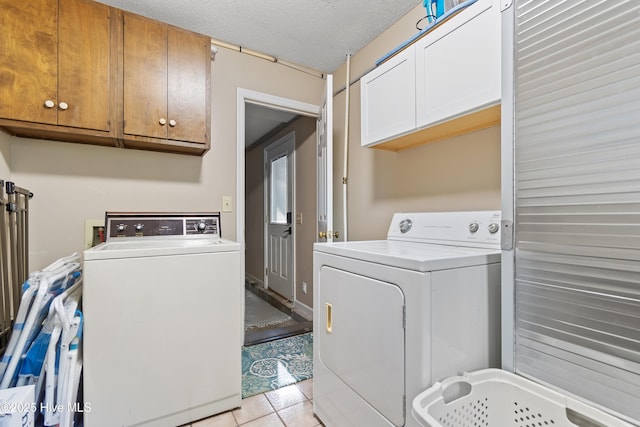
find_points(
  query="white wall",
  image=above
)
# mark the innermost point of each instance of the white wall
(75, 182)
(5, 156)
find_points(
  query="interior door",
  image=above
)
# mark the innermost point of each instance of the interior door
(279, 208)
(325, 165)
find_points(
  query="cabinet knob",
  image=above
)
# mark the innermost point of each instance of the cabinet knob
(172, 123)
(63, 105)
(162, 122)
(49, 103)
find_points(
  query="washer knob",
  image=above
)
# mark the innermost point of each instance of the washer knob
(120, 228)
(405, 225)
(139, 227)
(473, 227)
(493, 228)
(202, 226)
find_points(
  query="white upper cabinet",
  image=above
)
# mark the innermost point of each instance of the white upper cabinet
(445, 84)
(458, 65)
(388, 98)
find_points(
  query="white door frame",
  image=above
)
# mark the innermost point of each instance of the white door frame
(286, 139)
(246, 96)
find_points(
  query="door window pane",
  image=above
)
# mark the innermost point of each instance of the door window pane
(279, 200)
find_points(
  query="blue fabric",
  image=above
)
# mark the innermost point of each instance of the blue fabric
(33, 361)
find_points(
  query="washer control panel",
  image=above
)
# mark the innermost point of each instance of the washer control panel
(135, 224)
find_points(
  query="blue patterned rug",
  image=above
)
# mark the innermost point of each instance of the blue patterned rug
(276, 364)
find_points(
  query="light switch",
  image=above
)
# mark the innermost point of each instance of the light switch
(299, 218)
(226, 204)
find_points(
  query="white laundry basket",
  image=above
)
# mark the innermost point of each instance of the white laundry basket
(497, 398)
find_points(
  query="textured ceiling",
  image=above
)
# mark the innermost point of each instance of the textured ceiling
(314, 33)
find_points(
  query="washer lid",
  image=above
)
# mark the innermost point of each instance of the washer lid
(138, 248)
(411, 255)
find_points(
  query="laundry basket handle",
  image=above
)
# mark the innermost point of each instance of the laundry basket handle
(450, 390)
(455, 388)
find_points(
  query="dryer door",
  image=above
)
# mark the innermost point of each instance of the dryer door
(362, 338)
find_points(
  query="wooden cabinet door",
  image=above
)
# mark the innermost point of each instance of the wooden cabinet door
(84, 64)
(145, 77)
(188, 79)
(28, 59)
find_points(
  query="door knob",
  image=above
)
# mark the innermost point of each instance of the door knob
(49, 103)
(336, 234)
(322, 234)
(162, 122)
(172, 123)
(63, 105)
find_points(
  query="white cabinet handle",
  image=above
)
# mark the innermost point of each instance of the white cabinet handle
(172, 123)
(162, 122)
(63, 105)
(49, 103)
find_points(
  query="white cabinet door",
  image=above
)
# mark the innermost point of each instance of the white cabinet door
(388, 99)
(458, 65)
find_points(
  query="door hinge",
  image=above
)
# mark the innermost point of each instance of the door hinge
(506, 234)
(266, 271)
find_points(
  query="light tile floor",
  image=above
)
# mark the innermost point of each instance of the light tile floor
(289, 406)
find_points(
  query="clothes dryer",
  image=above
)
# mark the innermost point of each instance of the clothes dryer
(393, 316)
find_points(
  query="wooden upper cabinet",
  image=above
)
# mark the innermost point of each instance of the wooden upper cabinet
(188, 85)
(84, 64)
(145, 77)
(55, 62)
(28, 59)
(81, 71)
(166, 85)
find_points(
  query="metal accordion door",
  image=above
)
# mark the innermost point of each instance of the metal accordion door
(576, 198)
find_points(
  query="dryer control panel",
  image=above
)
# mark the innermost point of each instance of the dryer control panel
(473, 229)
(139, 225)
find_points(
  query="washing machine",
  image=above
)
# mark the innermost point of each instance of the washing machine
(162, 304)
(393, 316)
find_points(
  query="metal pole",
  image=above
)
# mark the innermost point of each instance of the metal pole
(13, 246)
(5, 304)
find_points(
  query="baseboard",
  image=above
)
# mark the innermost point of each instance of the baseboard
(251, 279)
(303, 309)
